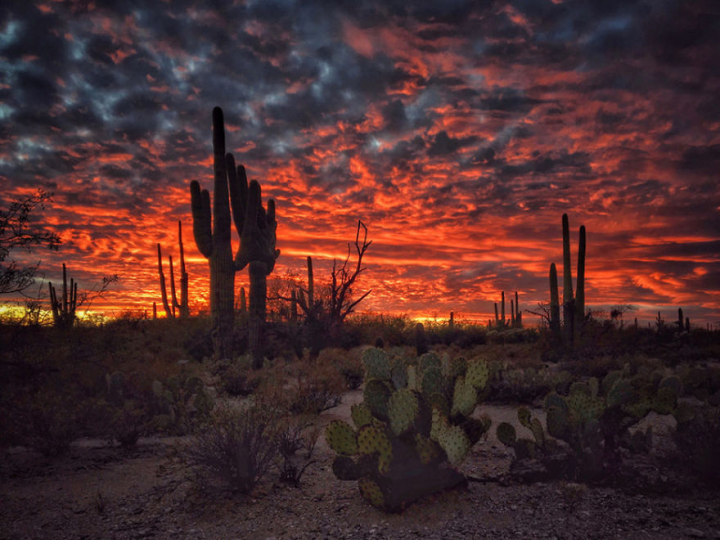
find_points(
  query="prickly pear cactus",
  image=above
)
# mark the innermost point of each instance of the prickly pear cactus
(414, 421)
(593, 419)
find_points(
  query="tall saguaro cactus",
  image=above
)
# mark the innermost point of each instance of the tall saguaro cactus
(64, 307)
(212, 232)
(573, 304)
(172, 306)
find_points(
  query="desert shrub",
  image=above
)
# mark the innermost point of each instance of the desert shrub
(347, 363)
(698, 439)
(525, 385)
(298, 438)
(237, 447)
(46, 422)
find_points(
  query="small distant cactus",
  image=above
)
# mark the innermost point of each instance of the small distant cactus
(415, 417)
(64, 307)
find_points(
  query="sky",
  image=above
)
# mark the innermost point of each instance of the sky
(458, 131)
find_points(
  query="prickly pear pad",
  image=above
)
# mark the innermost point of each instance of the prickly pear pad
(403, 409)
(477, 373)
(464, 398)
(361, 415)
(341, 438)
(376, 363)
(376, 395)
(371, 439)
(455, 443)
(371, 492)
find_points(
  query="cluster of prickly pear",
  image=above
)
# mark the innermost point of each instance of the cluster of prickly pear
(178, 402)
(414, 417)
(524, 448)
(127, 416)
(595, 416)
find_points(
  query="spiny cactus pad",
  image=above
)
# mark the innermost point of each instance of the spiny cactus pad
(433, 381)
(371, 492)
(376, 363)
(455, 443)
(403, 409)
(361, 415)
(477, 373)
(371, 439)
(341, 437)
(440, 424)
(506, 434)
(376, 395)
(464, 398)
(620, 392)
(524, 416)
(429, 360)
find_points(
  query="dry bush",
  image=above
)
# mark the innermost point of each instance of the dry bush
(237, 447)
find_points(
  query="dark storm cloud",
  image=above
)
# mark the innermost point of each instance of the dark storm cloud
(457, 115)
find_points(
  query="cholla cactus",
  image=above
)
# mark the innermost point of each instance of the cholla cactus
(415, 417)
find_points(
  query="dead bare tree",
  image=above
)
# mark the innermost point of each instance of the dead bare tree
(343, 278)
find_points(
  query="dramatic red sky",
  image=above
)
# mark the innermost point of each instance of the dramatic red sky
(458, 131)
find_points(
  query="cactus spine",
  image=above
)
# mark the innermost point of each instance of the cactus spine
(211, 229)
(63, 309)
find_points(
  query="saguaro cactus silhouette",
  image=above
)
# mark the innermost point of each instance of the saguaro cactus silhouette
(211, 229)
(573, 304)
(64, 307)
(173, 307)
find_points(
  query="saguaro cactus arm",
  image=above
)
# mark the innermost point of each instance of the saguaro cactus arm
(202, 218)
(258, 238)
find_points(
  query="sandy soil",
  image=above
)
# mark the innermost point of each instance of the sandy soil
(147, 492)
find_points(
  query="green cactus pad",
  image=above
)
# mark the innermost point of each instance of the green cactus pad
(558, 423)
(584, 407)
(620, 393)
(371, 492)
(403, 410)
(609, 380)
(553, 399)
(371, 439)
(477, 373)
(537, 431)
(341, 437)
(433, 381)
(203, 402)
(476, 428)
(429, 360)
(464, 398)
(376, 396)
(524, 416)
(376, 363)
(455, 443)
(440, 424)
(361, 415)
(506, 434)
(638, 408)
(427, 449)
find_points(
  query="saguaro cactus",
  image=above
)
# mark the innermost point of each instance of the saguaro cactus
(554, 302)
(573, 304)
(63, 309)
(173, 307)
(211, 229)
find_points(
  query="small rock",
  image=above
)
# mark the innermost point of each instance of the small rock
(695, 533)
